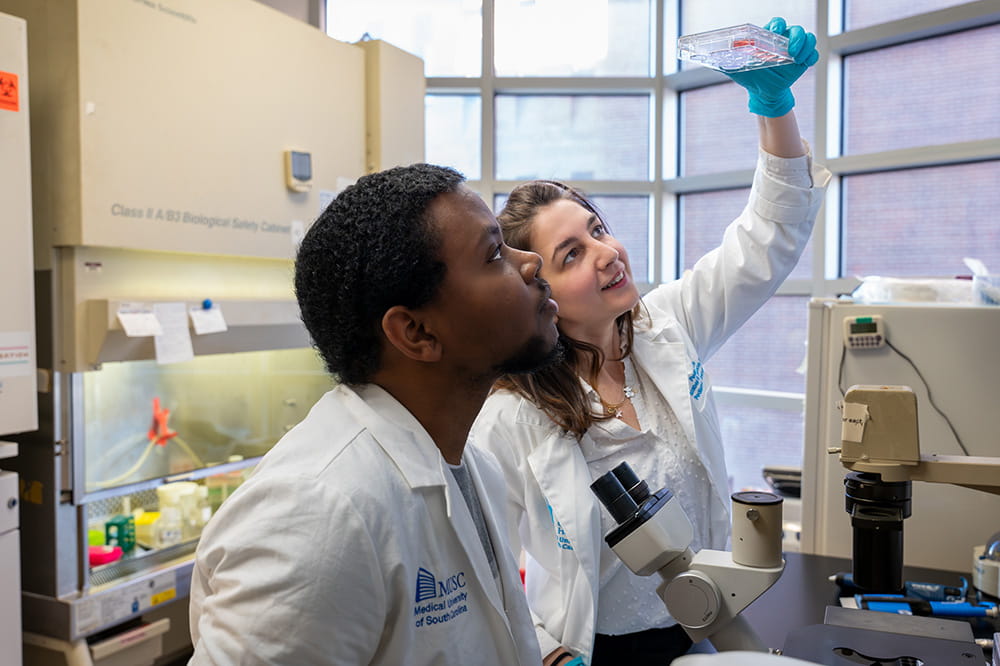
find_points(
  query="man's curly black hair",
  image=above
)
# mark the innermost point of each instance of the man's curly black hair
(372, 248)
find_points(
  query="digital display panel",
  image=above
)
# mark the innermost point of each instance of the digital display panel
(302, 165)
(863, 327)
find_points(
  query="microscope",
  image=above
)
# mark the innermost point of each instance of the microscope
(881, 448)
(704, 591)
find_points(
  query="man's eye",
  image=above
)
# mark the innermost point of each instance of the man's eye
(497, 253)
(598, 230)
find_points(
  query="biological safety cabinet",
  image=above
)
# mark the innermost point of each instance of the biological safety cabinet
(18, 401)
(180, 149)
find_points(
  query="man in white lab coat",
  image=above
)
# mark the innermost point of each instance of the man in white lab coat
(370, 534)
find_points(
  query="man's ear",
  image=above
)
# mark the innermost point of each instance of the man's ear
(406, 332)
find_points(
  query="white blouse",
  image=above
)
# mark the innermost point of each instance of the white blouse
(660, 454)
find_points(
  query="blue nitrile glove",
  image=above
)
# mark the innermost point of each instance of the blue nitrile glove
(770, 88)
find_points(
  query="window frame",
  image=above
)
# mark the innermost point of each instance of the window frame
(664, 186)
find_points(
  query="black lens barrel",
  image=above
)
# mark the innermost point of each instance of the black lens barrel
(877, 509)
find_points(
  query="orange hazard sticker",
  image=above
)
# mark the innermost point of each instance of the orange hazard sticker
(8, 92)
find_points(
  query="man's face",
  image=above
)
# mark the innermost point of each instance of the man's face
(492, 313)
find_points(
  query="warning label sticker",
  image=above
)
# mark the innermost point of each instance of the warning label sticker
(9, 99)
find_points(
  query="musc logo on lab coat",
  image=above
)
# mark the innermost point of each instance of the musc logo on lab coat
(439, 601)
(696, 380)
(561, 539)
(428, 587)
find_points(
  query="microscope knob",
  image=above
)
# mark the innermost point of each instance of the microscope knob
(693, 599)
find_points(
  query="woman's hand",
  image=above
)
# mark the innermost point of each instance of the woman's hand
(770, 87)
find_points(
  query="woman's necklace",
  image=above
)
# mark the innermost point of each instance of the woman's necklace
(615, 408)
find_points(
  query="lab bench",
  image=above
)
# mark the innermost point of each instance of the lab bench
(801, 596)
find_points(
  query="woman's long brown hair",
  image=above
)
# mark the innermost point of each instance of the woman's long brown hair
(556, 389)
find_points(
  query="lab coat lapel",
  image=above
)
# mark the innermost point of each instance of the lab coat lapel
(670, 358)
(409, 446)
(561, 471)
(678, 377)
(492, 498)
(466, 534)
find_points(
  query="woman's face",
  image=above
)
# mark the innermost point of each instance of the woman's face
(587, 268)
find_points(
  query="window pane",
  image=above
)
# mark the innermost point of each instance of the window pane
(628, 218)
(573, 37)
(756, 438)
(706, 215)
(720, 134)
(445, 33)
(921, 222)
(575, 137)
(863, 13)
(453, 132)
(927, 93)
(699, 16)
(767, 352)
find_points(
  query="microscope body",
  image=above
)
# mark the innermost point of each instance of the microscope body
(704, 591)
(880, 446)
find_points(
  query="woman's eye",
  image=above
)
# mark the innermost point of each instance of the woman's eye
(497, 252)
(571, 255)
(598, 231)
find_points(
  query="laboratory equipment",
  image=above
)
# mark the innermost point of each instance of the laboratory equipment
(864, 332)
(741, 657)
(872, 406)
(880, 444)
(159, 202)
(986, 566)
(904, 605)
(704, 591)
(920, 590)
(738, 48)
(298, 170)
(18, 401)
(943, 351)
(854, 636)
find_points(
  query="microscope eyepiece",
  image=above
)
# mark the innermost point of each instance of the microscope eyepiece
(614, 497)
(637, 490)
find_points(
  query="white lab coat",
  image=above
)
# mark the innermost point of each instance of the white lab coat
(352, 544)
(552, 512)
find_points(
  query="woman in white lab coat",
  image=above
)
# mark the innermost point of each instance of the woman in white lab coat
(632, 386)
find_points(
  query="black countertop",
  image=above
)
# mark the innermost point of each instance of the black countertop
(803, 592)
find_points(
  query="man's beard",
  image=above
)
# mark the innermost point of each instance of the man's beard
(534, 355)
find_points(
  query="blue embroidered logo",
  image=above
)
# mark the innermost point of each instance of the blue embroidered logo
(445, 599)
(561, 539)
(696, 380)
(426, 585)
